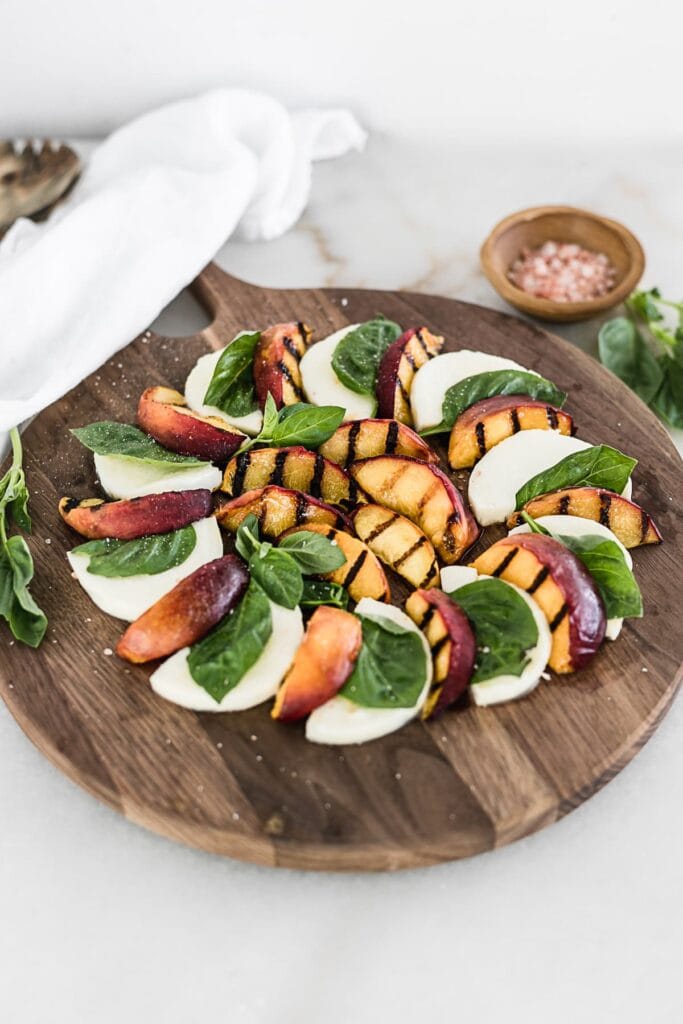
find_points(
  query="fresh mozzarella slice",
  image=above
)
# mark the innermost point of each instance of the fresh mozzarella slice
(436, 376)
(498, 476)
(577, 526)
(197, 385)
(128, 478)
(127, 597)
(454, 576)
(342, 721)
(173, 682)
(323, 387)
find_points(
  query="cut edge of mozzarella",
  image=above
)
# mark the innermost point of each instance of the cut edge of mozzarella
(321, 384)
(578, 526)
(173, 681)
(127, 597)
(340, 721)
(197, 384)
(129, 478)
(437, 375)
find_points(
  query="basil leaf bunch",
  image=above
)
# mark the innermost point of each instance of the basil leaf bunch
(473, 389)
(231, 388)
(598, 466)
(25, 619)
(127, 442)
(503, 625)
(144, 556)
(650, 363)
(304, 424)
(357, 357)
(391, 668)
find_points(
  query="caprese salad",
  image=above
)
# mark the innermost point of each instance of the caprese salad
(313, 461)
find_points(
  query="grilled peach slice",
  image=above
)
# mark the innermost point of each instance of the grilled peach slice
(187, 612)
(164, 415)
(363, 439)
(452, 643)
(361, 574)
(135, 517)
(296, 468)
(425, 495)
(561, 586)
(322, 664)
(278, 509)
(398, 367)
(491, 420)
(276, 363)
(628, 521)
(399, 543)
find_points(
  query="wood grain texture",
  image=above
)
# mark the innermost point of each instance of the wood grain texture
(245, 786)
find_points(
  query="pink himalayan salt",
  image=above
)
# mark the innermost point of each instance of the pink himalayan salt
(563, 272)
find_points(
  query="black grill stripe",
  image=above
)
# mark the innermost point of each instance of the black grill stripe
(605, 502)
(304, 333)
(354, 431)
(540, 578)
(551, 415)
(301, 507)
(563, 507)
(439, 645)
(559, 617)
(418, 335)
(287, 374)
(514, 420)
(355, 569)
(381, 528)
(291, 347)
(409, 358)
(644, 525)
(410, 551)
(279, 467)
(404, 393)
(354, 492)
(433, 573)
(392, 437)
(241, 466)
(427, 617)
(506, 561)
(480, 431)
(317, 479)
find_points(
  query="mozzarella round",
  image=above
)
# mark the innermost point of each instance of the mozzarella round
(436, 376)
(498, 476)
(323, 387)
(130, 478)
(173, 681)
(341, 721)
(454, 576)
(577, 526)
(127, 597)
(197, 385)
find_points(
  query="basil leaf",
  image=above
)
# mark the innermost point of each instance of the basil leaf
(473, 389)
(277, 573)
(19, 510)
(317, 592)
(535, 527)
(357, 357)
(599, 466)
(225, 655)
(247, 539)
(622, 350)
(145, 556)
(231, 388)
(307, 425)
(270, 418)
(605, 561)
(26, 620)
(503, 625)
(312, 552)
(127, 442)
(390, 671)
(668, 402)
(643, 305)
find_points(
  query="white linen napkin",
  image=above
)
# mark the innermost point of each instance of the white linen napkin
(156, 201)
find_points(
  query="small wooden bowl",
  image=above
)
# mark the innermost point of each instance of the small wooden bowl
(537, 225)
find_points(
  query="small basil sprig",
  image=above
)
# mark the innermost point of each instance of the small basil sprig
(304, 424)
(127, 442)
(357, 357)
(390, 670)
(25, 619)
(144, 556)
(231, 388)
(598, 466)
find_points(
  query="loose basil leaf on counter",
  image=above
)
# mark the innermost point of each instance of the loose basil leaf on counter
(473, 389)
(668, 402)
(357, 357)
(127, 442)
(390, 671)
(503, 625)
(225, 655)
(304, 424)
(622, 350)
(598, 466)
(145, 556)
(317, 592)
(312, 552)
(231, 388)
(605, 561)
(279, 576)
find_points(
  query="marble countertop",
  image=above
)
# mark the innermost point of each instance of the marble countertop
(104, 922)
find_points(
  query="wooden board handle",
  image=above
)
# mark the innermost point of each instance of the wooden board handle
(226, 299)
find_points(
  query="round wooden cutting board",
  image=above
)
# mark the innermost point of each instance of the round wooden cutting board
(245, 786)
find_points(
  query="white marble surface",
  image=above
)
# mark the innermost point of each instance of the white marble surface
(102, 922)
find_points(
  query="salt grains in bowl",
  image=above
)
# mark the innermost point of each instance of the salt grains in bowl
(563, 272)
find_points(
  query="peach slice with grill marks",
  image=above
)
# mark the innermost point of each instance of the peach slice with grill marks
(561, 586)
(399, 364)
(399, 543)
(278, 509)
(362, 573)
(425, 495)
(453, 646)
(490, 421)
(295, 468)
(363, 439)
(627, 521)
(187, 612)
(135, 517)
(164, 415)
(322, 664)
(276, 363)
